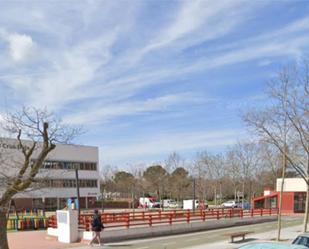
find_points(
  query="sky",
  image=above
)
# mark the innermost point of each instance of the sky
(148, 78)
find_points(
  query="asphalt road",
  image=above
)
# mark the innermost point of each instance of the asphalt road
(198, 239)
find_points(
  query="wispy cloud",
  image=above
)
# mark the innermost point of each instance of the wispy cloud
(96, 62)
(164, 143)
(105, 113)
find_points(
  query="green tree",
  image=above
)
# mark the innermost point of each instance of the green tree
(156, 177)
(124, 182)
(179, 182)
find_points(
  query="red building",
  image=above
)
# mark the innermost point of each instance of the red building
(293, 196)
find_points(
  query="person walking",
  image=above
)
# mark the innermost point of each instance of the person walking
(97, 227)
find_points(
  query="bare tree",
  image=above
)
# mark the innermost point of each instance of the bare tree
(42, 132)
(212, 167)
(285, 123)
(297, 112)
(246, 153)
(173, 162)
(199, 174)
(232, 167)
(271, 163)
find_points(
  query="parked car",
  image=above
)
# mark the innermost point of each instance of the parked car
(168, 203)
(230, 204)
(271, 245)
(302, 239)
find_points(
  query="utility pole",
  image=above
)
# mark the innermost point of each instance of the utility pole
(77, 190)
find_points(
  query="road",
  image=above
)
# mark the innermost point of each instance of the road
(209, 239)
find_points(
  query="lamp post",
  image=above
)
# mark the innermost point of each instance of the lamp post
(77, 190)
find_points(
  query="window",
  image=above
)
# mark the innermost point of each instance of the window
(69, 165)
(71, 183)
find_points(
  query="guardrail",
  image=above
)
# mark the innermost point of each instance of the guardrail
(144, 218)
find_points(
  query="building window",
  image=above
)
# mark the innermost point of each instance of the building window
(71, 183)
(69, 165)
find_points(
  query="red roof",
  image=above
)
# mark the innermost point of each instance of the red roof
(265, 196)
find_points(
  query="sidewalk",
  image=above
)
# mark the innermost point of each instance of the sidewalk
(287, 236)
(36, 240)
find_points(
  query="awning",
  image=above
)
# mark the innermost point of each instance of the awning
(265, 197)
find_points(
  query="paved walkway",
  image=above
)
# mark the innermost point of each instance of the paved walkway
(36, 240)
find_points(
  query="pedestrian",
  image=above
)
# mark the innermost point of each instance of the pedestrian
(97, 227)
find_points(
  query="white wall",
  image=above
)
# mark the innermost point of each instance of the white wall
(292, 185)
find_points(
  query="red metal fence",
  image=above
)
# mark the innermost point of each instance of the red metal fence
(149, 218)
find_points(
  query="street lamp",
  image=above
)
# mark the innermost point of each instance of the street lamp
(77, 189)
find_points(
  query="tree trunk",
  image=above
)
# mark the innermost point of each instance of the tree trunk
(306, 211)
(215, 193)
(235, 194)
(3, 235)
(220, 186)
(243, 194)
(281, 193)
(307, 199)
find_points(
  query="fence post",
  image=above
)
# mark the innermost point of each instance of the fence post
(170, 218)
(188, 216)
(230, 212)
(88, 221)
(242, 213)
(204, 215)
(143, 215)
(150, 220)
(218, 215)
(252, 212)
(270, 211)
(128, 221)
(261, 211)
(160, 214)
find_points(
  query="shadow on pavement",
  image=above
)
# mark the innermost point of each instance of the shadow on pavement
(119, 245)
(244, 241)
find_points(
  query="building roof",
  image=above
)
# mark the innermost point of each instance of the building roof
(265, 196)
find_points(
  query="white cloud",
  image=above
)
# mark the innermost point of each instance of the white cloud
(21, 47)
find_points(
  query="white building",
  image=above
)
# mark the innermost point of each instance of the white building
(58, 173)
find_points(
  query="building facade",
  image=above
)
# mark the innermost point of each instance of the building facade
(57, 176)
(293, 196)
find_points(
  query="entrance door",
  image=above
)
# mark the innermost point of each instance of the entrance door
(299, 202)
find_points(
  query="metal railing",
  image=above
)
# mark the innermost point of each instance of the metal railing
(147, 218)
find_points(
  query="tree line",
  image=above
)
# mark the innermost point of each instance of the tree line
(247, 167)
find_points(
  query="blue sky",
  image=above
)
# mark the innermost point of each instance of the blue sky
(146, 78)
